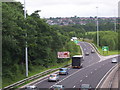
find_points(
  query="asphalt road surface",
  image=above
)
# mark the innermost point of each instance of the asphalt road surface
(92, 72)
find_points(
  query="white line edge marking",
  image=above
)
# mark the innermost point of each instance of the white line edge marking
(104, 77)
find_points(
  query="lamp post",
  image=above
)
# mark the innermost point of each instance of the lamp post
(115, 24)
(26, 49)
(97, 28)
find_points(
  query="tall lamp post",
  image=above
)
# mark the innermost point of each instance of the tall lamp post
(26, 49)
(115, 24)
(97, 29)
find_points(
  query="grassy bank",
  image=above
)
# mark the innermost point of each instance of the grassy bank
(106, 53)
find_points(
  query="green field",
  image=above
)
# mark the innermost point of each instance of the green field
(106, 53)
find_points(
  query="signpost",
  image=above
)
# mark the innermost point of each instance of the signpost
(105, 48)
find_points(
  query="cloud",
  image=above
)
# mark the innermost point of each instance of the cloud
(64, 8)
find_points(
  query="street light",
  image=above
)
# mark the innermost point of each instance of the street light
(26, 49)
(97, 29)
(115, 24)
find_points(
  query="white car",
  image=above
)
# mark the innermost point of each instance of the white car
(53, 77)
(85, 87)
(57, 87)
(114, 60)
(87, 53)
(31, 87)
(92, 51)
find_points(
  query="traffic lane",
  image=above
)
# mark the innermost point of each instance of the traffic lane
(82, 74)
(90, 59)
(97, 74)
(87, 48)
(45, 81)
(45, 84)
(69, 82)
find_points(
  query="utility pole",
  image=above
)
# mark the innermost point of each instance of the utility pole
(97, 28)
(26, 49)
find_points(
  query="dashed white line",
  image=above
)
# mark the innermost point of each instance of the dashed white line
(80, 80)
(40, 81)
(91, 72)
(86, 76)
(95, 69)
(73, 86)
(74, 73)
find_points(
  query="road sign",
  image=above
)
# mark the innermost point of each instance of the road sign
(105, 48)
(64, 54)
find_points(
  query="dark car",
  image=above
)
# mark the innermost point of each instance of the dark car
(85, 87)
(63, 71)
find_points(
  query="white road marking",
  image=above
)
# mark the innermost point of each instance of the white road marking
(86, 76)
(73, 86)
(40, 81)
(74, 73)
(91, 72)
(95, 69)
(80, 80)
(104, 77)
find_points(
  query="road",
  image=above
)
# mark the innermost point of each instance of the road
(92, 72)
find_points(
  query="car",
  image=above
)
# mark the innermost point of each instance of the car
(85, 87)
(53, 77)
(87, 53)
(92, 51)
(57, 87)
(114, 60)
(63, 71)
(32, 87)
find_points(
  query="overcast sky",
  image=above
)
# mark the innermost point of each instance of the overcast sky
(70, 8)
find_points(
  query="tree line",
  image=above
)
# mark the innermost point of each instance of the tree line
(106, 38)
(43, 42)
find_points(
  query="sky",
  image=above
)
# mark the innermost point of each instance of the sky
(71, 8)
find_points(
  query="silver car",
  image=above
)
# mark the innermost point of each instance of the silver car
(85, 87)
(114, 60)
(31, 87)
(57, 87)
(53, 77)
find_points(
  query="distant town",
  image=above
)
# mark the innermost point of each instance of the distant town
(79, 20)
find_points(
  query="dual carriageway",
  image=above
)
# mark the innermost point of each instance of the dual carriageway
(95, 68)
